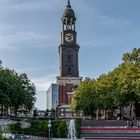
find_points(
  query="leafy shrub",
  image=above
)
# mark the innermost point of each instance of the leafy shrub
(40, 128)
(62, 131)
(78, 127)
(2, 138)
(15, 127)
(55, 125)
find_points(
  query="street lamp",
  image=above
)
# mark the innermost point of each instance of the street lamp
(4, 127)
(49, 124)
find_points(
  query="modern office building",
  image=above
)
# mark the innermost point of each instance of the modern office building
(52, 96)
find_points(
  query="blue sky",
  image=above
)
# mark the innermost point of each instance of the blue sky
(30, 36)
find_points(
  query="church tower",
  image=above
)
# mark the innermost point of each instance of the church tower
(68, 59)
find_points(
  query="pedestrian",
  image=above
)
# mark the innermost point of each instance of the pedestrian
(138, 124)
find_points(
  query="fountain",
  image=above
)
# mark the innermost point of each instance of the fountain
(71, 131)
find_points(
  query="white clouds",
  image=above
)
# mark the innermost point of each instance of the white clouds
(115, 22)
(95, 16)
(31, 69)
(8, 48)
(97, 42)
(16, 31)
(21, 36)
(43, 83)
(4, 27)
(107, 21)
(12, 41)
(108, 40)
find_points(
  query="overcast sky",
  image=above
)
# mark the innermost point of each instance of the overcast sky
(30, 36)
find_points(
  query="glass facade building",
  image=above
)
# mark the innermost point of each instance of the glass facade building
(52, 96)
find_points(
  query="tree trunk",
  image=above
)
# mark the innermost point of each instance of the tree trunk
(131, 110)
(105, 114)
(15, 112)
(2, 110)
(120, 115)
(97, 114)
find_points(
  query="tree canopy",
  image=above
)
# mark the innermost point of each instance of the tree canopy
(118, 88)
(16, 91)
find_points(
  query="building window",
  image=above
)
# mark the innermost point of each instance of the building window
(69, 70)
(69, 59)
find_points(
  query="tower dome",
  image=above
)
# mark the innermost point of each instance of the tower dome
(68, 14)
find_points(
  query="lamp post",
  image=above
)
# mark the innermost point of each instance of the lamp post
(49, 125)
(4, 127)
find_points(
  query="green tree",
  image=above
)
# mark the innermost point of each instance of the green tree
(62, 131)
(128, 79)
(84, 98)
(5, 87)
(35, 113)
(132, 57)
(16, 91)
(105, 90)
(78, 127)
(116, 89)
(105, 86)
(88, 79)
(0, 64)
(29, 92)
(55, 125)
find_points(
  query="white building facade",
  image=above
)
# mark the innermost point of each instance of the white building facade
(52, 96)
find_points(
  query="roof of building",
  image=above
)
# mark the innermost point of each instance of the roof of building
(68, 12)
(65, 106)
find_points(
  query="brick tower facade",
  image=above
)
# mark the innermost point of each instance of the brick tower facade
(68, 57)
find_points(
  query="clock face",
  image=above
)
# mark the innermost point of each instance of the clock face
(69, 37)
